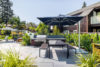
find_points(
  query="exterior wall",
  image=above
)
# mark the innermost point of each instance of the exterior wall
(83, 26)
(90, 23)
(71, 28)
(94, 21)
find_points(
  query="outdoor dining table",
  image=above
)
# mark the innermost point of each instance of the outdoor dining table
(58, 43)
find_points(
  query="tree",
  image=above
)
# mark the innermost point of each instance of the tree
(84, 4)
(2, 25)
(12, 21)
(5, 10)
(22, 25)
(42, 29)
(17, 21)
(31, 26)
(56, 31)
(32, 29)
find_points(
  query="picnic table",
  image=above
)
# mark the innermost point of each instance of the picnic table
(55, 41)
(58, 43)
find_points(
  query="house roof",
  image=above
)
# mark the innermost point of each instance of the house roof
(86, 10)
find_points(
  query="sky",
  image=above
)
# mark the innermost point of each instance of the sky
(29, 10)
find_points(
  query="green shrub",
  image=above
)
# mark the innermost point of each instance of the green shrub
(42, 29)
(15, 37)
(23, 43)
(2, 32)
(86, 42)
(2, 36)
(7, 32)
(95, 37)
(90, 60)
(69, 38)
(56, 31)
(10, 37)
(12, 59)
(75, 38)
(72, 38)
(26, 39)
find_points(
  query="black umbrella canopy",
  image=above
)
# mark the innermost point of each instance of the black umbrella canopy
(60, 20)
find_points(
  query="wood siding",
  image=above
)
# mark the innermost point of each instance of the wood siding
(83, 26)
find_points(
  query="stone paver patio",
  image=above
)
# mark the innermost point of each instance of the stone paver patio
(58, 55)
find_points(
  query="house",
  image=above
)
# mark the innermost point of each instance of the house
(91, 20)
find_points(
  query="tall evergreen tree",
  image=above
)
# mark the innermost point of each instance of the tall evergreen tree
(84, 4)
(5, 10)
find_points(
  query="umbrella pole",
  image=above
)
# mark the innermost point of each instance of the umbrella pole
(79, 35)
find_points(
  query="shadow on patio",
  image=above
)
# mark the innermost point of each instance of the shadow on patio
(61, 56)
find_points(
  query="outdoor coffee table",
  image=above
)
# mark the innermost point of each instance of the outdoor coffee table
(57, 43)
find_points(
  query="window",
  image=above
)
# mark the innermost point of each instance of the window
(74, 31)
(95, 18)
(98, 17)
(98, 30)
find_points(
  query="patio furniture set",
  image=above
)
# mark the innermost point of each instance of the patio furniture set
(54, 41)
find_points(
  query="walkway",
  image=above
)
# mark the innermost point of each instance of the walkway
(58, 55)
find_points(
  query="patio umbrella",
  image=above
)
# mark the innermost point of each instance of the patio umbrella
(61, 21)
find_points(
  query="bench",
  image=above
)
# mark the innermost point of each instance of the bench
(44, 46)
(68, 48)
(72, 47)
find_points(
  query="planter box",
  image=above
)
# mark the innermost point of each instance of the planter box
(19, 40)
(96, 48)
